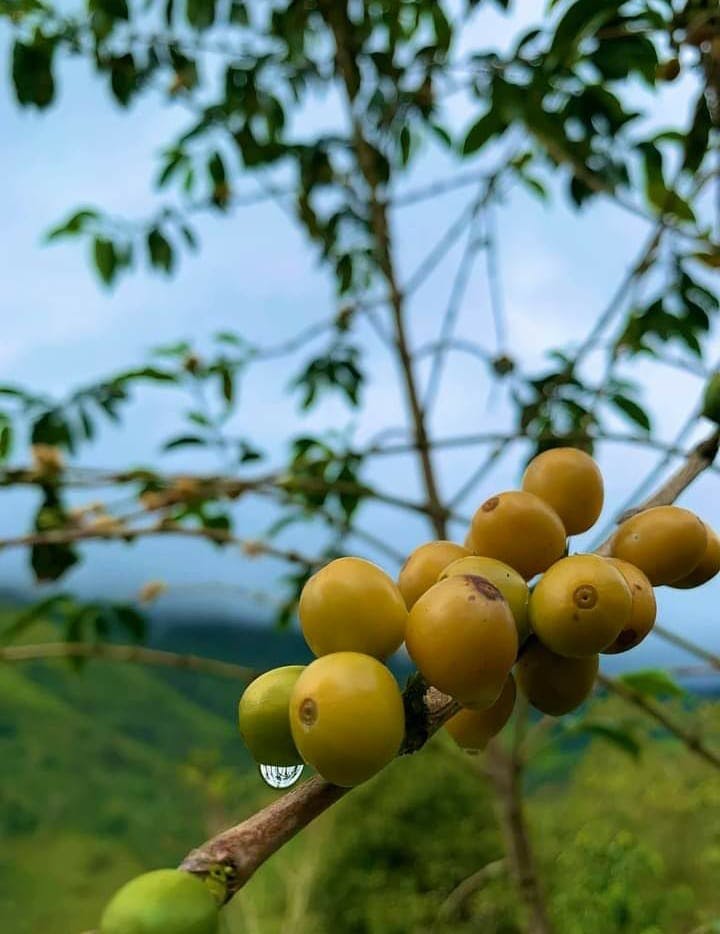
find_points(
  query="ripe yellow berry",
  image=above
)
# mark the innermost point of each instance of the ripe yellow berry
(422, 568)
(667, 543)
(462, 637)
(347, 717)
(520, 529)
(643, 612)
(473, 729)
(708, 566)
(352, 605)
(263, 717)
(553, 684)
(580, 606)
(510, 584)
(569, 481)
(166, 901)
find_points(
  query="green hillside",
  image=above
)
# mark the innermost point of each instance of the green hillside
(113, 769)
(98, 782)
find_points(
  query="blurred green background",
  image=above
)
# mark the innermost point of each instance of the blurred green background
(113, 769)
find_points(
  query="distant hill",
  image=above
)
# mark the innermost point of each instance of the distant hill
(105, 772)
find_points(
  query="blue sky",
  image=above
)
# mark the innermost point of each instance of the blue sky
(255, 273)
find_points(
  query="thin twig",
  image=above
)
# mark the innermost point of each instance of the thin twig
(235, 854)
(252, 547)
(505, 770)
(690, 647)
(453, 904)
(457, 292)
(126, 653)
(492, 260)
(689, 739)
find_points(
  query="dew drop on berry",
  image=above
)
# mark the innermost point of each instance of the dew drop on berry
(281, 776)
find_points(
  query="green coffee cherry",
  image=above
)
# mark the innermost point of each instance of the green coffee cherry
(167, 901)
(711, 399)
(264, 719)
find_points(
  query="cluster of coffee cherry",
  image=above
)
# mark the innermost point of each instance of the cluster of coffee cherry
(509, 609)
(471, 623)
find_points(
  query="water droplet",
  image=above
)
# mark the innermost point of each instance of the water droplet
(281, 776)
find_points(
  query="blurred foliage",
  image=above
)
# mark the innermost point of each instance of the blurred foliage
(638, 852)
(624, 841)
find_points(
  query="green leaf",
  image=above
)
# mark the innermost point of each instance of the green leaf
(75, 224)
(106, 260)
(634, 412)
(229, 337)
(6, 439)
(441, 25)
(146, 372)
(131, 620)
(405, 143)
(483, 130)
(200, 13)
(178, 349)
(239, 13)
(227, 384)
(43, 609)
(198, 418)
(32, 73)
(247, 453)
(114, 9)
(183, 441)
(160, 250)
(623, 739)
(654, 682)
(52, 428)
(698, 136)
(124, 78)
(581, 19)
(442, 134)
(618, 58)
(51, 562)
(189, 237)
(658, 194)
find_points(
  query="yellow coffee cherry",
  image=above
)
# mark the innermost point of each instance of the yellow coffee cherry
(462, 637)
(553, 684)
(511, 585)
(166, 901)
(422, 568)
(569, 481)
(473, 729)
(708, 566)
(263, 717)
(347, 717)
(643, 612)
(352, 605)
(580, 605)
(667, 543)
(520, 529)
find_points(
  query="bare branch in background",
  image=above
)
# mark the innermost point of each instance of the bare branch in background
(693, 742)
(138, 654)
